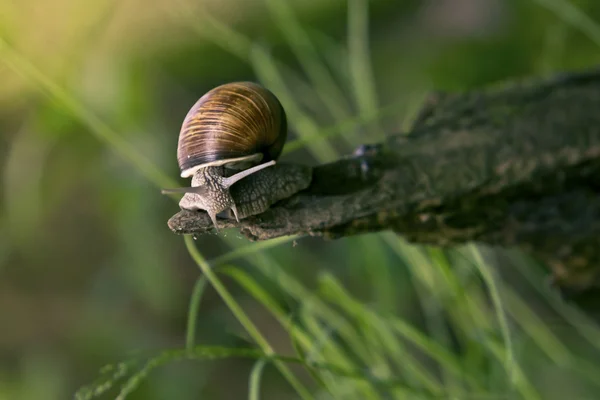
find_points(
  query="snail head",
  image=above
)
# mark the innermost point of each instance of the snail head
(210, 190)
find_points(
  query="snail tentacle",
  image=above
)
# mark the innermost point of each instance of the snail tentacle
(227, 182)
(201, 190)
(235, 212)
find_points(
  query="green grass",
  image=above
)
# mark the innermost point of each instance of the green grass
(476, 338)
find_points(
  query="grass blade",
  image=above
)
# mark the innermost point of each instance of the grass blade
(242, 317)
(250, 249)
(536, 329)
(326, 347)
(253, 288)
(413, 368)
(300, 44)
(255, 377)
(193, 308)
(359, 58)
(585, 327)
(572, 15)
(486, 274)
(309, 340)
(520, 381)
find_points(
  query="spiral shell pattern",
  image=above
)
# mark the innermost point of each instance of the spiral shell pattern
(231, 123)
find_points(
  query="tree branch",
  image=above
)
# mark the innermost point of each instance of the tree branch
(517, 165)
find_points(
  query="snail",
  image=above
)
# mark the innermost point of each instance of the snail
(235, 130)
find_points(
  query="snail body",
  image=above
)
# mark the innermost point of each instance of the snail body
(233, 131)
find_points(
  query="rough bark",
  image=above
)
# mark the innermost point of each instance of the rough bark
(514, 165)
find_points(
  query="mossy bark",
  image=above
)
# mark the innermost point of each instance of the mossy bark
(514, 165)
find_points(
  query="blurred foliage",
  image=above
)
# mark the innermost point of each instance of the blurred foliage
(92, 98)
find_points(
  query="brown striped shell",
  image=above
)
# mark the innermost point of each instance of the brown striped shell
(237, 124)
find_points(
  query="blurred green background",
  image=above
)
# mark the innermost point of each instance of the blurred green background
(92, 97)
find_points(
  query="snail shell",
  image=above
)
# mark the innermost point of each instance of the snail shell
(236, 125)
